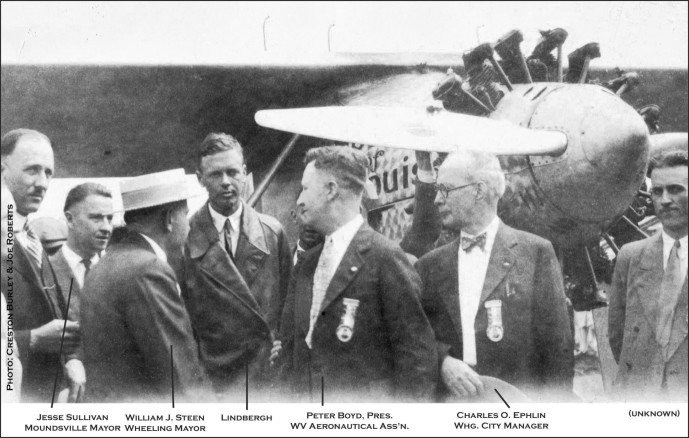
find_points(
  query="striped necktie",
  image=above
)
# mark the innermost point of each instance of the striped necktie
(321, 279)
(33, 245)
(227, 232)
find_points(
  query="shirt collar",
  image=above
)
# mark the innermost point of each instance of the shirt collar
(74, 259)
(219, 220)
(20, 221)
(156, 248)
(669, 241)
(346, 232)
(491, 231)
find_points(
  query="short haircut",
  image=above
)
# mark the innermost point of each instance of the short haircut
(217, 142)
(143, 215)
(349, 166)
(82, 191)
(483, 167)
(668, 159)
(10, 140)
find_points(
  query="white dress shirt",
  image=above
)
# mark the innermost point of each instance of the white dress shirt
(235, 222)
(75, 262)
(668, 242)
(333, 252)
(471, 271)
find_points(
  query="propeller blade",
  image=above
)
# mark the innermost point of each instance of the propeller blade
(416, 129)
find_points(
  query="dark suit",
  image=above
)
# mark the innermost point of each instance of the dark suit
(131, 315)
(35, 302)
(235, 306)
(391, 354)
(643, 373)
(535, 353)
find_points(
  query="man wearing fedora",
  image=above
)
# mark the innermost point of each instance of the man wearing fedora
(237, 267)
(138, 341)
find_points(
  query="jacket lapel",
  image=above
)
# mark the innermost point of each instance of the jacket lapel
(448, 287)
(64, 276)
(500, 262)
(679, 321)
(304, 287)
(650, 277)
(204, 244)
(350, 265)
(251, 247)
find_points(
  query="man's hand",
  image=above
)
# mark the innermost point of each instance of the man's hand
(275, 352)
(47, 337)
(76, 379)
(460, 378)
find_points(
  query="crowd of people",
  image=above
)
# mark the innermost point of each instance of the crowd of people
(222, 302)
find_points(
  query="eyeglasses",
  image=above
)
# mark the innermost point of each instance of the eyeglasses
(672, 189)
(443, 190)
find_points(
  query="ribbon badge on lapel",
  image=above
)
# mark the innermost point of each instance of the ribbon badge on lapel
(494, 331)
(345, 330)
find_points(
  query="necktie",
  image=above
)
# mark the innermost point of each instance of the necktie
(469, 243)
(227, 232)
(87, 266)
(669, 294)
(33, 245)
(321, 279)
(300, 255)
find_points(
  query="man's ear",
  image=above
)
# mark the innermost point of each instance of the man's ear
(199, 177)
(481, 190)
(70, 219)
(167, 219)
(333, 190)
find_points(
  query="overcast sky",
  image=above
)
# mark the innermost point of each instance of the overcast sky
(638, 34)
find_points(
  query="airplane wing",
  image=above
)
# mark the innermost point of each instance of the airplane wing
(414, 128)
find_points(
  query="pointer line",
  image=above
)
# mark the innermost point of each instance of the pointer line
(172, 376)
(499, 395)
(62, 342)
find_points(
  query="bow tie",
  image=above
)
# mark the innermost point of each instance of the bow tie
(468, 243)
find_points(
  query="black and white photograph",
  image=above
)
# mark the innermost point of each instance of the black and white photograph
(346, 218)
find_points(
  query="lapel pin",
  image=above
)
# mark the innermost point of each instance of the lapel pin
(354, 269)
(506, 264)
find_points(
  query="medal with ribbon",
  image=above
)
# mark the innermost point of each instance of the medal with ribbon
(345, 330)
(494, 331)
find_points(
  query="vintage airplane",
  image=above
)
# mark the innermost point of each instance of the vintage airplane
(575, 154)
(115, 122)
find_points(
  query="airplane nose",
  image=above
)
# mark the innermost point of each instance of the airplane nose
(606, 157)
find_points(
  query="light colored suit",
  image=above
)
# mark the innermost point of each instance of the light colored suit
(642, 372)
(535, 353)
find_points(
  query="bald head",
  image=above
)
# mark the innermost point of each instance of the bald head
(470, 185)
(27, 167)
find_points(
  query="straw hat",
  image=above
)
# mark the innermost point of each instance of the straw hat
(157, 189)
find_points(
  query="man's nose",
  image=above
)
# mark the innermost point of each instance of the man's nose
(42, 180)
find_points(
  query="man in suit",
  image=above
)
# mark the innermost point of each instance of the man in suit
(237, 267)
(89, 212)
(352, 320)
(495, 296)
(138, 340)
(40, 310)
(647, 319)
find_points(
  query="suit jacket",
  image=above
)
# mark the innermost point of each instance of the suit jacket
(643, 373)
(536, 351)
(35, 302)
(131, 318)
(391, 353)
(64, 277)
(235, 306)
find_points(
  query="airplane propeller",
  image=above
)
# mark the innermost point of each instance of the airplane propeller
(430, 129)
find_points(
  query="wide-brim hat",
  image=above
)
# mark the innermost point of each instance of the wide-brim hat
(157, 189)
